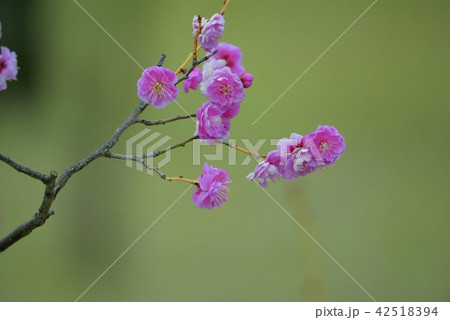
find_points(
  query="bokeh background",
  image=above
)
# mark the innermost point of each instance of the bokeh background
(381, 211)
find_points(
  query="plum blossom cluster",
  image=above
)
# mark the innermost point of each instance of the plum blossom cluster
(8, 65)
(223, 81)
(300, 155)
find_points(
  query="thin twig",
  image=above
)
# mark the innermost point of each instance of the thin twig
(199, 29)
(257, 156)
(139, 159)
(194, 65)
(144, 156)
(225, 5)
(161, 60)
(174, 146)
(181, 178)
(186, 61)
(164, 121)
(32, 173)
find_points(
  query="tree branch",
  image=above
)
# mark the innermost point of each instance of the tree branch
(225, 5)
(164, 121)
(258, 157)
(174, 146)
(161, 60)
(141, 160)
(32, 173)
(53, 186)
(194, 65)
(154, 154)
(68, 173)
(38, 219)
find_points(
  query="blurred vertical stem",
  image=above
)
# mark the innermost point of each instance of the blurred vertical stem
(313, 284)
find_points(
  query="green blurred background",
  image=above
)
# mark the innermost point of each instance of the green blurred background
(382, 211)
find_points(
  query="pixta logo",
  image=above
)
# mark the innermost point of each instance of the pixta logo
(143, 144)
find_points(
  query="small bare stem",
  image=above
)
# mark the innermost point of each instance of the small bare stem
(140, 159)
(225, 5)
(32, 173)
(174, 146)
(109, 154)
(257, 156)
(194, 51)
(164, 121)
(180, 178)
(186, 61)
(186, 75)
(161, 60)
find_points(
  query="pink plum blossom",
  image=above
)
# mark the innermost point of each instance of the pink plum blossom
(286, 167)
(231, 111)
(267, 169)
(224, 88)
(247, 80)
(211, 124)
(212, 188)
(232, 55)
(8, 66)
(227, 55)
(302, 162)
(212, 31)
(325, 144)
(209, 66)
(157, 86)
(286, 147)
(193, 80)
